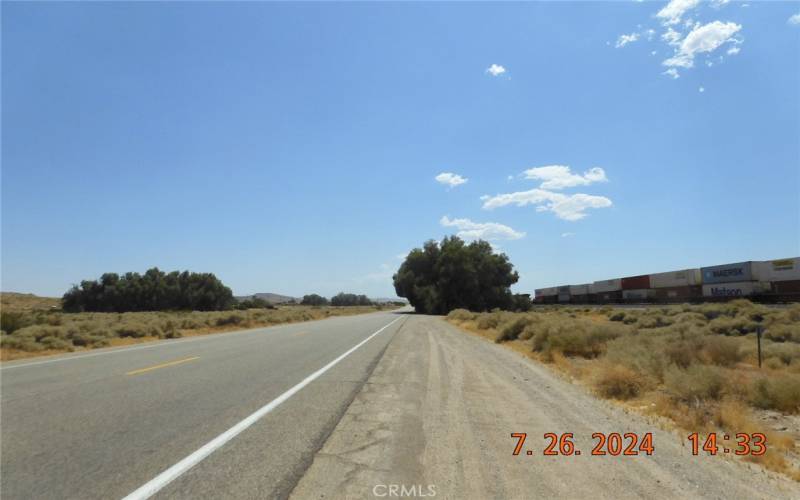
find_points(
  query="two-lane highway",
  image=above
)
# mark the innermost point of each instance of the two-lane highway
(229, 415)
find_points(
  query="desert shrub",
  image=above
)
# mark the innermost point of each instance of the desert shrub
(461, 315)
(490, 320)
(131, 330)
(788, 332)
(511, 330)
(617, 382)
(617, 316)
(722, 351)
(642, 353)
(694, 384)
(56, 343)
(12, 321)
(229, 319)
(575, 338)
(683, 352)
(738, 325)
(654, 319)
(776, 392)
(786, 353)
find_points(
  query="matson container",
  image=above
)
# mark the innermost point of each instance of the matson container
(643, 295)
(727, 273)
(679, 293)
(636, 282)
(741, 289)
(684, 277)
(777, 270)
(606, 286)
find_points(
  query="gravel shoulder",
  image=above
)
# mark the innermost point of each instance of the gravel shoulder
(439, 408)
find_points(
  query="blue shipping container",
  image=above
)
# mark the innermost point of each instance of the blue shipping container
(728, 273)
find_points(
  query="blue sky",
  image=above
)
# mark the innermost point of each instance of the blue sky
(294, 148)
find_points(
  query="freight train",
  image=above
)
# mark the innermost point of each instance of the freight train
(761, 281)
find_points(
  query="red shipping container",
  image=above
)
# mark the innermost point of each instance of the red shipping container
(636, 282)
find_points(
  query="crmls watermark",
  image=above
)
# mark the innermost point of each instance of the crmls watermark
(401, 490)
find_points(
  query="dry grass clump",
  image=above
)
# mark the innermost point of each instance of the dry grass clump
(617, 382)
(697, 363)
(52, 331)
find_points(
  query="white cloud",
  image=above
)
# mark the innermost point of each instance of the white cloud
(701, 89)
(495, 70)
(654, 52)
(794, 20)
(567, 207)
(673, 73)
(650, 34)
(702, 39)
(675, 9)
(671, 36)
(481, 230)
(450, 179)
(733, 51)
(560, 176)
(624, 40)
(719, 3)
(567, 235)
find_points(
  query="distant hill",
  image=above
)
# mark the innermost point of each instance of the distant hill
(272, 298)
(12, 301)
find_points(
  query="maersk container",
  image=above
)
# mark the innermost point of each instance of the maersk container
(606, 286)
(640, 295)
(579, 289)
(732, 290)
(777, 270)
(636, 282)
(727, 273)
(682, 278)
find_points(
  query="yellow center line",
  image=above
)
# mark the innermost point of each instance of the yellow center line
(163, 365)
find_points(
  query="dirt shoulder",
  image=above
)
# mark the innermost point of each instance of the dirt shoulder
(439, 410)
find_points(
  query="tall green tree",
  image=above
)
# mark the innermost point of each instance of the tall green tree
(438, 278)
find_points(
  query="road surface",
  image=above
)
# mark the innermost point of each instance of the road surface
(348, 407)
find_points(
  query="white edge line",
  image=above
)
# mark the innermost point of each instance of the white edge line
(157, 483)
(157, 343)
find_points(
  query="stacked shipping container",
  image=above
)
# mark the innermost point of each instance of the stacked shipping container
(767, 280)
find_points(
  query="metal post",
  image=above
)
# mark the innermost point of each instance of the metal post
(758, 335)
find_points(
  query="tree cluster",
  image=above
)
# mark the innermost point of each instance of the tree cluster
(441, 277)
(350, 299)
(314, 300)
(152, 291)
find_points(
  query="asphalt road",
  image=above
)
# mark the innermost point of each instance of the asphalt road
(188, 418)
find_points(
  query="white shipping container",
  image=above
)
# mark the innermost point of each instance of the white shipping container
(777, 270)
(563, 297)
(740, 289)
(606, 286)
(579, 289)
(684, 277)
(642, 294)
